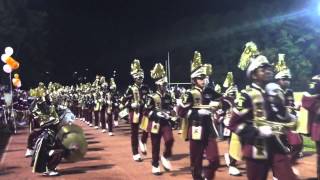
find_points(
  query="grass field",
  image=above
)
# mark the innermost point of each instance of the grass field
(308, 145)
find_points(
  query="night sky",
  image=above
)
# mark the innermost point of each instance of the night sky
(106, 35)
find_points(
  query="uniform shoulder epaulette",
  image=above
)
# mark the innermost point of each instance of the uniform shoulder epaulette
(246, 90)
(192, 91)
(151, 95)
(155, 95)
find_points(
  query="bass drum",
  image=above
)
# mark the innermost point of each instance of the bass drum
(73, 140)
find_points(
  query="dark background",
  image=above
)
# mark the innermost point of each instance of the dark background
(53, 39)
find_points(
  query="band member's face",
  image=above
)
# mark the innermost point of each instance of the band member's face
(139, 80)
(263, 74)
(232, 95)
(163, 87)
(278, 99)
(284, 83)
(200, 82)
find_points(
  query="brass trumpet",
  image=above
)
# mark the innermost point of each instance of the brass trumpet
(277, 127)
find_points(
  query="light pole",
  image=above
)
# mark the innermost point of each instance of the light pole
(75, 77)
(47, 77)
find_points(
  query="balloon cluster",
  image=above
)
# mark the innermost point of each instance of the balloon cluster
(11, 63)
(16, 81)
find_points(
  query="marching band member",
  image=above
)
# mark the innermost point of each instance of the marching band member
(311, 102)
(103, 93)
(201, 132)
(98, 102)
(255, 116)
(113, 106)
(159, 108)
(227, 102)
(133, 99)
(283, 78)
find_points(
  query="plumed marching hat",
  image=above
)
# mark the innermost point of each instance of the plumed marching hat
(197, 68)
(229, 80)
(251, 59)
(112, 84)
(281, 69)
(250, 51)
(136, 70)
(159, 74)
(229, 84)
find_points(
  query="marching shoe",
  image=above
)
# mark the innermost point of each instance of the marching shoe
(51, 173)
(29, 153)
(137, 158)
(90, 125)
(96, 127)
(110, 134)
(156, 170)
(233, 171)
(104, 130)
(166, 163)
(295, 171)
(143, 147)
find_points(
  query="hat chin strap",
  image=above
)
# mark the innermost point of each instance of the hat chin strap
(161, 81)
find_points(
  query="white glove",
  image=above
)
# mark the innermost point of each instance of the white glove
(214, 103)
(179, 102)
(174, 119)
(163, 115)
(265, 131)
(226, 122)
(204, 112)
(219, 111)
(134, 105)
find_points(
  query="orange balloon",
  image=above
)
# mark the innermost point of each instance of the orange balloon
(12, 63)
(16, 82)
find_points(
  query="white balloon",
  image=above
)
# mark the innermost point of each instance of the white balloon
(4, 57)
(8, 50)
(7, 68)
